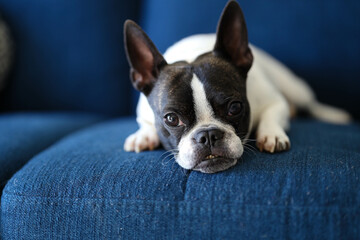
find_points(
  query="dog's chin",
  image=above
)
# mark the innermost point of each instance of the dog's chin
(215, 165)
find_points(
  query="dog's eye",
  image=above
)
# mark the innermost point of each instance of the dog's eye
(234, 108)
(172, 120)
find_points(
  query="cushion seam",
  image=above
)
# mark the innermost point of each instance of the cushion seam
(355, 207)
(184, 187)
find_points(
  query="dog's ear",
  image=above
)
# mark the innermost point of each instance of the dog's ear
(232, 38)
(144, 58)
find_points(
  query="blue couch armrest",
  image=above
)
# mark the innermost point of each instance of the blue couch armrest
(23, 135)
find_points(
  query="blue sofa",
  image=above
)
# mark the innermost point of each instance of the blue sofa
(69, 106)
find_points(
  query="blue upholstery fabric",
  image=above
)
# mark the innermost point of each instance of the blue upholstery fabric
(25, 134)
(319, 40)
(87, 187)
(69, 55)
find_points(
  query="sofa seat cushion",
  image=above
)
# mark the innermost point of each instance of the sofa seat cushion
(22, 135)
(87, 187)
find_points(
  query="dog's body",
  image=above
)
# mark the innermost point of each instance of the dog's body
(204, 101)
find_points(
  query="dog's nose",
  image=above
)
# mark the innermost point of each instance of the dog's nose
(209, 137)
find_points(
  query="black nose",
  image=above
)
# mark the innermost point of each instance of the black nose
(209, 137)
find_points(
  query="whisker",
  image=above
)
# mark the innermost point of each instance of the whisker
(242, 160)
(169, 151)
(170, 159)
(250, 149)
(167, 154)
(183, 171)
(167, 159)
(248, 140)
(250, 146)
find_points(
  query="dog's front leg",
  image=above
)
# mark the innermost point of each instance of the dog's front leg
(270, 135)
(146, 137)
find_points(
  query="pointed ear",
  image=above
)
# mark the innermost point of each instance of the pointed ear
(144, 58)
(231, 37)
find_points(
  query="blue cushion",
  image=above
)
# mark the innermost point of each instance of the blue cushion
(87, 187)
(69, 55)
(25, 134)
(319, 40)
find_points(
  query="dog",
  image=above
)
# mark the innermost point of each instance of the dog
(204, 97)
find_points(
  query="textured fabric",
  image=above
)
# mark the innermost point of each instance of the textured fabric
(22, 135)
(69, 55)
(319, 40)
(87, 187)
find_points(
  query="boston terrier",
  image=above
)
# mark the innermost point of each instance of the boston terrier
(207, 93)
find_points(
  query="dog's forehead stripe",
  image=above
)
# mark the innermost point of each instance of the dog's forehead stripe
(202, 107)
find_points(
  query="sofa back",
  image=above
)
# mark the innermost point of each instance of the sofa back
(319, 40)
(69, 55)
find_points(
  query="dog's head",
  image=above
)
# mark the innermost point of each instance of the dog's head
(201, 108)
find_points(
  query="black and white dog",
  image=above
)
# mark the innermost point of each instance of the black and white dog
(208, 92)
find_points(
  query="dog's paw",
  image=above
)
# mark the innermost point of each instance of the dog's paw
(272, 141)
(143, 139)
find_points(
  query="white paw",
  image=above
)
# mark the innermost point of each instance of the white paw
(142, 139)
(272, 140)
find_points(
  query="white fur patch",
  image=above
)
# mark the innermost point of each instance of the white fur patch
(205, 118)
(203, 109)
(188, 49)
